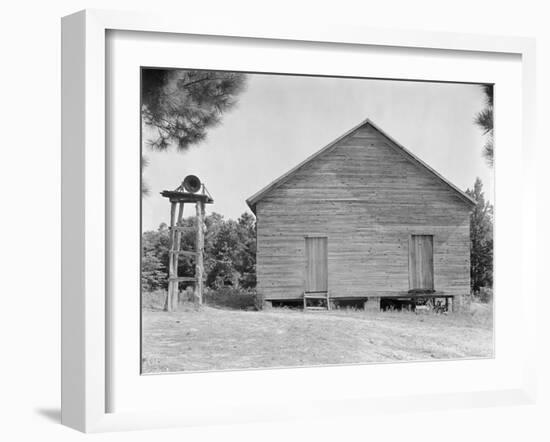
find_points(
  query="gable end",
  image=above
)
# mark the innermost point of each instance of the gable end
(254, 199)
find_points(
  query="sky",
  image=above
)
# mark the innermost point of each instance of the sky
(280, 120)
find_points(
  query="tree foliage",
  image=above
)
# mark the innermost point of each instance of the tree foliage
(484, 120)
(182, 104)
(229, 253)
(154, 259)
(145, 189)
(481, 237)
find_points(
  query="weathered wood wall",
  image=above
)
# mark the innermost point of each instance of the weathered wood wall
(367, 198)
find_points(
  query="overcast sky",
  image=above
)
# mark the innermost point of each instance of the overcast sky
(281, 120)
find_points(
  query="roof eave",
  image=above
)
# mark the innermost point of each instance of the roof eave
(251, 205)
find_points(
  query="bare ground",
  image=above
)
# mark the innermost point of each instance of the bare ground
(216, 339)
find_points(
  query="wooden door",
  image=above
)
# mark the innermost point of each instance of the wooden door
(316, 279)
(421, 262)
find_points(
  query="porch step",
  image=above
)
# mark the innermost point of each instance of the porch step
(316, 295)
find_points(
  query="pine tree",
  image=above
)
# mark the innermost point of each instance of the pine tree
(484, 119)
(481, 237)
(182, 104)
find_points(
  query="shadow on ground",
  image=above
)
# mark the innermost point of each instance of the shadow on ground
(51, 414)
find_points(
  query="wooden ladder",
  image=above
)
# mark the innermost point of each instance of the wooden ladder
(316, 295)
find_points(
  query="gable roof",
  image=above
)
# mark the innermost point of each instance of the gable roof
(398, 147)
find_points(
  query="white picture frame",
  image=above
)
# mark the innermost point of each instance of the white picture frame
(85, 234)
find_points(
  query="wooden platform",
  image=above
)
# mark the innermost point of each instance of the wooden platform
(407, 295)
(397, 295)
(185, 197)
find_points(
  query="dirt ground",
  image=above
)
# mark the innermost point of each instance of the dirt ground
(218, 339)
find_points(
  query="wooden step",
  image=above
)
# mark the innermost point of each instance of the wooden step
(316, 295)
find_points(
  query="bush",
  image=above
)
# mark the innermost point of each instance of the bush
(229, 253)
(228, 297)
(485, 295)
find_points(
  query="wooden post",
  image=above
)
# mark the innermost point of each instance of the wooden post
(174, 251)
(171, 275)
(373, 304)
(199, 265)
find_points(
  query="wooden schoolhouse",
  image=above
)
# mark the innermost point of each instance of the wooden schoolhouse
(362, 221)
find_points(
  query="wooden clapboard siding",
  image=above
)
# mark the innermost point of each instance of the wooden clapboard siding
(368, 199)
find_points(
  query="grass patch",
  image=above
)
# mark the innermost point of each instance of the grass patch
(227, 298)
(221, 339)
(153, 300)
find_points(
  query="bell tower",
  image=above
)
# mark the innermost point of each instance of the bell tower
(192, 191)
